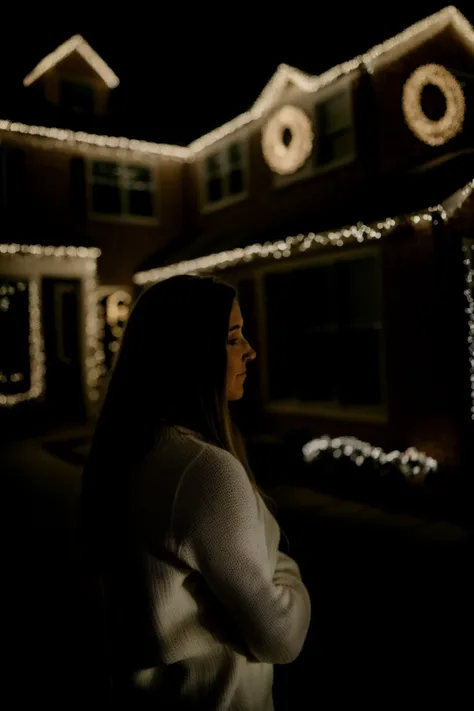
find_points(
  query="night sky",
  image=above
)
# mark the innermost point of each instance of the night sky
(188, 71)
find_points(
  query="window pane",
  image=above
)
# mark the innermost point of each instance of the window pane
(359, 293)
(214, 190)
(334, 113)
(316, 370)
(300, 334)
(336, 146)
(360, 371)
(324, 333)
(236, 182)
(106, 199)
(14, 336)
(105, 172)
(314, 290)
(136, 176)
(235, 154)
(281, 333)
(213, 166)
(140, 203)
(78, 98)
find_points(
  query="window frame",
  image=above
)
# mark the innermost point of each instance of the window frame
(204, 205)
(320, 168)
(323, 408)
(123, 217)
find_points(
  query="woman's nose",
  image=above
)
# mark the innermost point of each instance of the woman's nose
(251, 355)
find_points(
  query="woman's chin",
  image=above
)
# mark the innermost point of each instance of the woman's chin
(235, 394)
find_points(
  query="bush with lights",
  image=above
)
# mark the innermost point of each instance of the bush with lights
(351, 460)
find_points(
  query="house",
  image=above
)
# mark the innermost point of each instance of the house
(79, 210)
(340, 206)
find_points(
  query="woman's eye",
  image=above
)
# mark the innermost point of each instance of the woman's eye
(233, 341)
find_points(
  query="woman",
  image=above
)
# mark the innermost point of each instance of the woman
(201, 603)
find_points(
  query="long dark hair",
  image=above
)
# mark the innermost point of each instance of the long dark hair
(170, 370)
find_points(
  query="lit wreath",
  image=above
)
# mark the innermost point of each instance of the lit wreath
(434, 133)
(282, 158)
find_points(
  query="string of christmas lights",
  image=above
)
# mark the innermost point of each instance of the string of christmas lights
(311, 84)
(74, 44)
(290, 246)
(94, 351)
(39, 250)
(82, 140)
(468, 249)
(36, 350)
(411, 463)
(94, 355)
(272, 91)
(434, 133)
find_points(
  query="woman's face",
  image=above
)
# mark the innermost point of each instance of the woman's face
(239, 352)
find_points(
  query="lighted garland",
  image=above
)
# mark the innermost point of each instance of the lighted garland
(411, 463)
(434, 133)
(290, 246)
(286, 158)
(36, 350)
(36, 344)
(468, 249)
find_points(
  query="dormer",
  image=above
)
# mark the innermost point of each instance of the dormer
(74, 78)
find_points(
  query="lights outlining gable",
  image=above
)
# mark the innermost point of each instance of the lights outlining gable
(270, 94)
(74, 44)
(82, 140)
(39, 250)
(307, 83)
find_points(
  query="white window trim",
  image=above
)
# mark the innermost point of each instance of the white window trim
(122, 218)
(320, 168)
(204, 205)
(327, 409)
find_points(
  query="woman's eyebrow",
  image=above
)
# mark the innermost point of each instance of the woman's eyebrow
(237, 325)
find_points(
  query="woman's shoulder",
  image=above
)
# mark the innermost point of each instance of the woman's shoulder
(182, 448)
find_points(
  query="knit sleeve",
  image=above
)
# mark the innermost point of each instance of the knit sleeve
(221, 535)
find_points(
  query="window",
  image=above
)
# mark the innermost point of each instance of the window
(77, 98)
(325, 333)
(119, 189)
(224, 174)
(335, 129)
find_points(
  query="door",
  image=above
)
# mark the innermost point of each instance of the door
(62, 345)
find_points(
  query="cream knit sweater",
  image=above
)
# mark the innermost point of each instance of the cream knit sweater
(225, 604)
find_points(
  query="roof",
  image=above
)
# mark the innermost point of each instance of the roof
(78, 44)
(273, 90)
(285, 74)
(298, 244)
(38, 250)
(81, 139)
